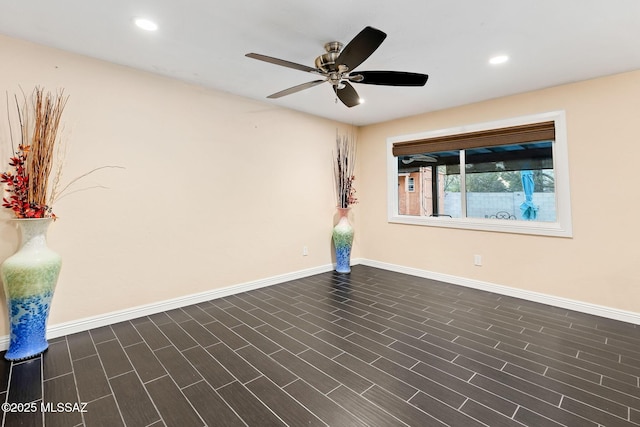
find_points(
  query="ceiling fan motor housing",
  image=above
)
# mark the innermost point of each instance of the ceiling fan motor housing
(327, 62)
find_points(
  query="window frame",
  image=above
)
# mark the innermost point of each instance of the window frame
(562, 227)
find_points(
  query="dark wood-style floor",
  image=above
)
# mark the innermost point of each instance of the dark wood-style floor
(373, 348)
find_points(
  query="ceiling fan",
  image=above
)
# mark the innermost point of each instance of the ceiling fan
(337, 66)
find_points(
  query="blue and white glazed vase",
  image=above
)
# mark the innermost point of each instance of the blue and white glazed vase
(343, 240)
(29, 277)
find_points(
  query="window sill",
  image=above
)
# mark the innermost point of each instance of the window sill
(554, 229)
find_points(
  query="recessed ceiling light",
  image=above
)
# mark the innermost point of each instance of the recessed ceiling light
(361, 101)
(500, 59)
(146, 24)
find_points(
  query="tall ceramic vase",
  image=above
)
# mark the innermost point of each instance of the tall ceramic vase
(343, 240)
(29, 277)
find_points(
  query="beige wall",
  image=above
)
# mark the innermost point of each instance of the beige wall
(177, 220)
(599, 265)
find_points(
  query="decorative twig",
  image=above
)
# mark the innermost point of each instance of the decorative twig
(343, 166)
(58, 195)
(81, 189)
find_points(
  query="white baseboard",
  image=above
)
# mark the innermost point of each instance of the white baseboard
(68, 328)
(72, 327)
(580, 306)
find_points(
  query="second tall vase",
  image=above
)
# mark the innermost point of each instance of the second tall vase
(343, 240)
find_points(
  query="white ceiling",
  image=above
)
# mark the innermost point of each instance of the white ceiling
(550, 42)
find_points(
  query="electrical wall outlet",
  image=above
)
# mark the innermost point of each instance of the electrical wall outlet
(477, 260)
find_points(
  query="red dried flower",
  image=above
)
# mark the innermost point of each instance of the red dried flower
(17, 188)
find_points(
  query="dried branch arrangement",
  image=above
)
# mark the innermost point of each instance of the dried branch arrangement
(31, 191)
(344, 160)
(28, 185)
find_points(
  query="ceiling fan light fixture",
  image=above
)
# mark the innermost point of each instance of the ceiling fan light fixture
(146, 24)
(498, 59)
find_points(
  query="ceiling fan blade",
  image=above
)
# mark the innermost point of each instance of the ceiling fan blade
(295, 89)
(283, 63)
(361, 47)
(390, 78)
(347, 95)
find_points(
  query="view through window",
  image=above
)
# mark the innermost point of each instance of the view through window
(513, 182)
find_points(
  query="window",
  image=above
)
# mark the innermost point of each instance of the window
(509, 176)
(411, 184)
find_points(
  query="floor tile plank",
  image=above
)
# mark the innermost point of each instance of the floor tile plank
(210, 369)
(377, 376)
(336, 371)
(178, 337)
(323, 407)
(257, 339)
(126, 333)
(347, 346)
(113, 358)
(494, 402)
(199, 333)
(313, 342)
(177, 366)
(220, 315)
(172, 405)
(442, 412)
(530, 418)
(569, 391)
(24, 418)
(600, 416)
(282, 339)
(579, 367)
(251, 410)
(80, 345)
(281, 374)
(178, 315)
(381, 350)
(145, 362)
(292, 413)
(486, 375)
(270, 319)
(487, 415)
(400, 409)
(419, 382)
(154, 338)
(136, 407)
(371, 414)
(91, 379)
(247, 318)
(305, 371)
(211, 407)
(61, 390)
(56, 360)
(232, 361)
(226, 335)
(102, 334)
(103, 412)
(5, 368)
(198, 314)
